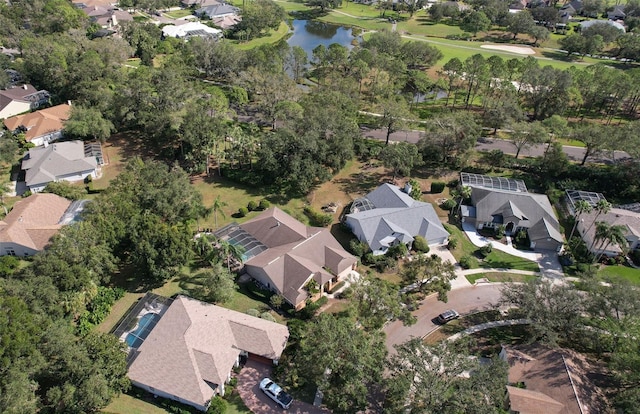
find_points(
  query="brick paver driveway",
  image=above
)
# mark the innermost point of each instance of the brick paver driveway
(249, 390)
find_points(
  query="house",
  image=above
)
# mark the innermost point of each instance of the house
(63, 161)
(189, 355)
(217, 11)
(388, 216)
(31, 223)
(41, 126)
(518, 5)
(572, 8)
(549, 381)
(199, 3)
(285, 255)
(629, 220)
(617, 13)
(588, 23)
(19, 99)
(189, 30)
(497, 201)
(107, 17)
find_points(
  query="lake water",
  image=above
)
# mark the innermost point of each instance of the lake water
(309, 34)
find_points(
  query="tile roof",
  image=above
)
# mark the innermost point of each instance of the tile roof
(33, 221)
(194, 346)
(40, 122)
(630, 220)
(543, 371)
(46, 164)
(295, 253)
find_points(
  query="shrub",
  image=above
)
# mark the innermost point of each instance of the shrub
(276, 301)
(217, 406)
(243, 211)
(453, 183)
(466, 262)
(420, 244)
(500, 231)
(65, 189)
(453, 243)
(264, 204)
(318, 219)
(635, 257)
(437, 187)
(485, 250)
(252, 206)
(253, 312)
(267, 316)
(397, 251)
(358, 248)
(449, 204)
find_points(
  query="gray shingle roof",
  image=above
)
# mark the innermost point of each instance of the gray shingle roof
(46, 164)
(397, 216)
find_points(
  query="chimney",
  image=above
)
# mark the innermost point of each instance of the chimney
(25, 87)
(69, 102)
(407, 188)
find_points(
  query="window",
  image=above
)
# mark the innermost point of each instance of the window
(9, 251)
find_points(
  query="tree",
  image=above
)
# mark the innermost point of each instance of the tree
(217, 206)
(608, 234)
(339, 358)
(297, 60)
(431, 379)
(609, 33)
(540, 34)
(429, 274)
(525, 134)
(573, 43)
(474, 22)
(601, 207)
(521, 22)
(555, 310)
(325, 4)
(401, 157)
(88, 123)
(594, 137)
(375, 302)
(453, 71)
(395, 112)
(258, 16)
(453, 135)
(581, 207)
(215, 285)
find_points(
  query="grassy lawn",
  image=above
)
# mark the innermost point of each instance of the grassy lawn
(176, 14)
(271, 37)
(621, 271)
(502, 260)
(501, 277)
(464, 247)
(126, 404)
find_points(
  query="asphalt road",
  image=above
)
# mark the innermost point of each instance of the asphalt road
(466, 300)
(488, 144)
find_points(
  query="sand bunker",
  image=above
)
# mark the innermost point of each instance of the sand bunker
(521, 50)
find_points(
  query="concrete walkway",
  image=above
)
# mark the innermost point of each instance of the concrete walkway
(488, 325)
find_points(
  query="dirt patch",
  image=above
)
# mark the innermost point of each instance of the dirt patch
(521, 50)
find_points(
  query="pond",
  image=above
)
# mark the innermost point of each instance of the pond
(309, 34)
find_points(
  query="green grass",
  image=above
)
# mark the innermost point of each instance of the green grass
(271, 37)
(501, 260)
(621, 271)
(126, 404)
(500, 277)
(464, 247)
(176, 14)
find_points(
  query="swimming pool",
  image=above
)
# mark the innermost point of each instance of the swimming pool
(145, 324)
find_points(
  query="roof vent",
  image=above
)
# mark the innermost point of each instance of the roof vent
(25, 87)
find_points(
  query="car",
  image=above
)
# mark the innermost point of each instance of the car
(447, 316)
(276, 393)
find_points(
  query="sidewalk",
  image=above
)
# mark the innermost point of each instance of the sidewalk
(488, 325)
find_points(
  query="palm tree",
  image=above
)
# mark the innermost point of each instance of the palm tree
(230, 251)
(602, 207)
(461, 194)
(217, 207)
(601, 234)
(580, 208)
(614, 235)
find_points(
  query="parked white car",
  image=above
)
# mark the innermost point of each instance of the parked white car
(276, 393)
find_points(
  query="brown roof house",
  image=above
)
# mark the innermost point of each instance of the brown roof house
(629, 220)
(31, 223)
(19, 99)
(189, 355)
(285, 255)
(61, 161)
(41, 126)
(549, 381)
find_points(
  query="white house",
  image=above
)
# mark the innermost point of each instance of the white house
(189, 30)
(71, 161)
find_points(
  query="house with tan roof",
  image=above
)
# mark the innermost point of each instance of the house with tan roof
(189, 355)
(20, 99)
(549, 381)
(285, 255)
(70, 161)
(41, 126)
(31, 223)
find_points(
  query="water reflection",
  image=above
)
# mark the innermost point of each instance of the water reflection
(309, 34)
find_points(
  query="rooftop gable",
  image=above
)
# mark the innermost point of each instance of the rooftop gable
(273, 227)
(40, 122)
(46, 164)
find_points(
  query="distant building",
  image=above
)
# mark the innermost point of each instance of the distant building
(19, 99)
(189, 30)
(31, 223)
(218, 11)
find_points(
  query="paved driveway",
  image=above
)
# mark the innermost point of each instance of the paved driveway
(249, 390)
